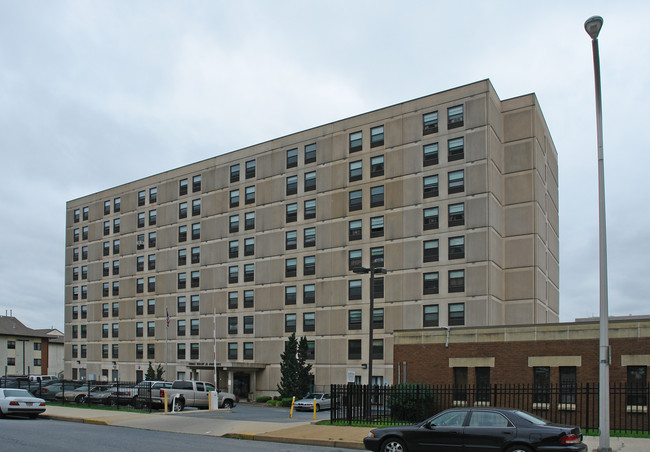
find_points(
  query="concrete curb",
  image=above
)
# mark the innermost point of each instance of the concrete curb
(72, 419)
(306, 442)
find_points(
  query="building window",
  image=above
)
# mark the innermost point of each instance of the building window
(75, 215)
(309, 237)
(104, 309)
(115, 351)
(430, 186)
(182, 256)
(151, 329)
(482, 384)
(430, 156)
(153, 216)
(567, 386)
(379, 287)
(378, 318)
(196, 183)
(376, 136)
(180, 351)
(456, 149)
(248, 350)
(308, 294)
(541, 386)
(75, 254)
(106, 249)
(116, 268)
(637, 387)
(309, 321)
(249, 298)
(116, 246)
(249, 194)
(75, 235)
(377, 166)
(248, 324)
(310, 153)
(75, 272)
(233, 249)
(84, 292)
(139, 284)
(153, 194)
(233, 274)
(196, 231)
(234, 173)
(194, 350)
(141, 219)
(115, 330)
(75, 312)
(378, 349)
(105, 289)
(456, 214)
(75, 293)
(292, 212)
(430, 123)
(84, 351)
(356, 171)
(117, 204)
(354, 348)
(139, 307)
(151, 351)
(377, 227)
(292, 158)
(249, 246)
(234, 198)
(152, 239)
(234, 223)
(249, 272)
(115, 308)
(455, 117)
(84, 233)
(460, 384)
(105, 330)
(104, 351)
(456, 314)
(232, 351)
(180, 304)
(151, 284)
(291, 240)
(142, 197)
(356, 141)
(354, 231)
(292, 185)
(232, 325)
(151, 262)
(249, 221)
(430, 315)
(250, 169)
(310, 181)
(431, 251)
(311, 350)
(377, 196)
(354, 259)
(290, 295)
(310, 209)
(289, 323)
(196, 207)
(182, 187)
(354, 289)
(194, 327)
(456, 181)
(377, 256)
(107, 227)
(151, 306)
(309, 265)
(430, 283)
(456, 281)
(354, 319)
(355, 200)
(456, 248)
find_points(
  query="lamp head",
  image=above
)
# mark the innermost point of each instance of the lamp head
(593, 26)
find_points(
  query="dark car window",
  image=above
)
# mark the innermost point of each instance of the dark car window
(450, 419)
(199, 387)
(182, 385)
(531, 418)
(488, 419)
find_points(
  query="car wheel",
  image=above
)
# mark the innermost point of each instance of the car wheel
(111, 401)
(393, 445)
(80, 399)
(317, 407)
(178, 405)
(519, 448)
(227, 403)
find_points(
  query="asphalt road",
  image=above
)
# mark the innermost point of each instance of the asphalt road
(24, 435)
(250, 412)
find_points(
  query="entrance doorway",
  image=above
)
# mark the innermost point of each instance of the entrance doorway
(241, 385)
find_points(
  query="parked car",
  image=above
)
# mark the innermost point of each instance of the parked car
(196, 394)
(323, 402)
(50, 390)
(478, 429)
(79, 394)
(150, 392)
(101, 395)
(20, 402)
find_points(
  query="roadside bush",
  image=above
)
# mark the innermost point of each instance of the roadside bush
(273, 403)
(286, 402)
(262, 399)
(410, 402)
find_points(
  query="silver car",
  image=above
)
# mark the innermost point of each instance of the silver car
(323, 402)
(20, 402)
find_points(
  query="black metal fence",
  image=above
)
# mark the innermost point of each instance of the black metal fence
(118, 394)
(566, 404)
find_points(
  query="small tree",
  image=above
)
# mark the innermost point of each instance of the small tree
(151, 374)
(160, 372)
(295, 373)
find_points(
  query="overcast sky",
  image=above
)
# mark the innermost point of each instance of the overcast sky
(96, 94)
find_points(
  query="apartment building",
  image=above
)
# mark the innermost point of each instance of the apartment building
(455, 194)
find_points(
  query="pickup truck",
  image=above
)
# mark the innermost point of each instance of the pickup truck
(196, 394)
(149, 392)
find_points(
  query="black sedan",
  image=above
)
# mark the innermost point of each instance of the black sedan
(478, 429)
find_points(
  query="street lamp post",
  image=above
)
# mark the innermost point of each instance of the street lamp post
(592, 27)
(375, 267)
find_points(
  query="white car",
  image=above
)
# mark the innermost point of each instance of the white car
(323, 402)
(21, 402)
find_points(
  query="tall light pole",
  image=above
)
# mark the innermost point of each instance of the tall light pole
(592, 27)
(375, 267)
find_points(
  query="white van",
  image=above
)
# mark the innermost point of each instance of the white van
(42, 378)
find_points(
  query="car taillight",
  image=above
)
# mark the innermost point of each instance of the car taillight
(570, 439)
(14, 403)
(42, 403)
(162, 393)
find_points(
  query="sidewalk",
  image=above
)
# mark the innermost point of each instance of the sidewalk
(299, 433)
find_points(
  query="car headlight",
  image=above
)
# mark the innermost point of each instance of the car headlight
(370, 435)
